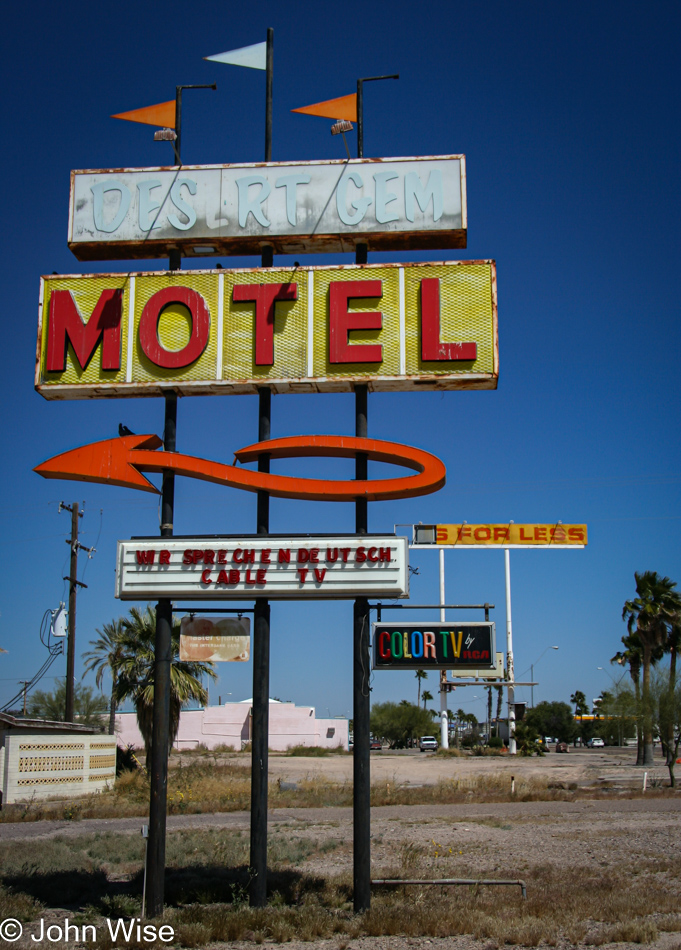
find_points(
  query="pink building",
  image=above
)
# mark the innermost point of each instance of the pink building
(230, 725)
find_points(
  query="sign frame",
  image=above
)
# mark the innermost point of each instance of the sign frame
(201, 639)
(321, 232)
(440, 626)
(530, 536)
(210, 372)
(143, 574)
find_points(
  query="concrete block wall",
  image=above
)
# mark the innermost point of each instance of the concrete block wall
(53, 765)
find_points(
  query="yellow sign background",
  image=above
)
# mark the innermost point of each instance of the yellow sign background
(468, 313)
(516, 535)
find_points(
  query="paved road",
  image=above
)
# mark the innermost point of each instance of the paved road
(241, 819)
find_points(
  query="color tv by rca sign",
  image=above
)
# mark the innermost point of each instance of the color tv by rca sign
(444, 646)
(317, 329)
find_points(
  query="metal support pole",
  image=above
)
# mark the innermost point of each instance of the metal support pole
(361, 704)
(160, 741)
(360, 110)
(360, 118)
(510, 673)
(361, 758)
(361, 459)
(177, 144)
(261, 688)
(71, 641)
(269, 71)
(259, 753)
(178, 125)
(444, 719)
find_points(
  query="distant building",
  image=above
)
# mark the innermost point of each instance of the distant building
(42, 759)
(230, 725)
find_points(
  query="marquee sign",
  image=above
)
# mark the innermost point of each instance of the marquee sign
(443, 646)
(294, 207)
(300, 567)
(398, 327)
(509, 535)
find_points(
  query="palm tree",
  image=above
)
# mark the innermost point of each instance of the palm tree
(633, 655)
(105, 656)
(426, 697)
(579, 700)
(135, 670)
(650, 615)
(420, 675)
(673, 646)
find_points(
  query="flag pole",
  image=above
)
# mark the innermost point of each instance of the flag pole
(177, 144)
(360, 109)
(260, 711)
(268, 95)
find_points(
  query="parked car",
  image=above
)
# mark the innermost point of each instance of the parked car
(595, 743)
(375, 744)
(428, 744)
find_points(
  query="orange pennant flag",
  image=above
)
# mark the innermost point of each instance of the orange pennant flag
(345, 107)
(162, 114)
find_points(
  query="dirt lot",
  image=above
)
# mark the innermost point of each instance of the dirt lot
(584, 766)
(603, 872)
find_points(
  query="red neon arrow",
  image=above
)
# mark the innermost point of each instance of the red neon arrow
(120, 462)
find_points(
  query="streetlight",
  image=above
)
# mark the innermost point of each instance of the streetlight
(612, 678)
(532, 674)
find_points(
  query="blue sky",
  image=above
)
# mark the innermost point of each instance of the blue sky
(567, 114)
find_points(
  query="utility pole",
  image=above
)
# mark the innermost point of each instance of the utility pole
(74, 583)
(25, 684)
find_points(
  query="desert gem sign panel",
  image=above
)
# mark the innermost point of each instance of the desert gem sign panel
(294, 207)
(288, 568)
(317, 329)
(418, 646)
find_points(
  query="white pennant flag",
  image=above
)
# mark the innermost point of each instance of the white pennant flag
(254, 57)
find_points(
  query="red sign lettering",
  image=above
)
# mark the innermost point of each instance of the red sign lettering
(67, 326)
(148, 329)
(264, 296)
(341, 322)
(431, 348)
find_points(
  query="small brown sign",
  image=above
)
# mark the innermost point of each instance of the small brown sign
(224, 639)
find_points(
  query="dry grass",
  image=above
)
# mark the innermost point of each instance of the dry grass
(315, 751)
(205, 786)
(208, 876)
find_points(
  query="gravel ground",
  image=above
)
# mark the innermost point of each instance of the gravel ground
(512, 839)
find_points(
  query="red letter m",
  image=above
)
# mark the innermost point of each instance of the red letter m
(67, 326)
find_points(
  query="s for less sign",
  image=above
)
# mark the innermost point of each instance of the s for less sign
(316, 329)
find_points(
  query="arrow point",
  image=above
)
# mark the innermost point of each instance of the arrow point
(110, 462)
